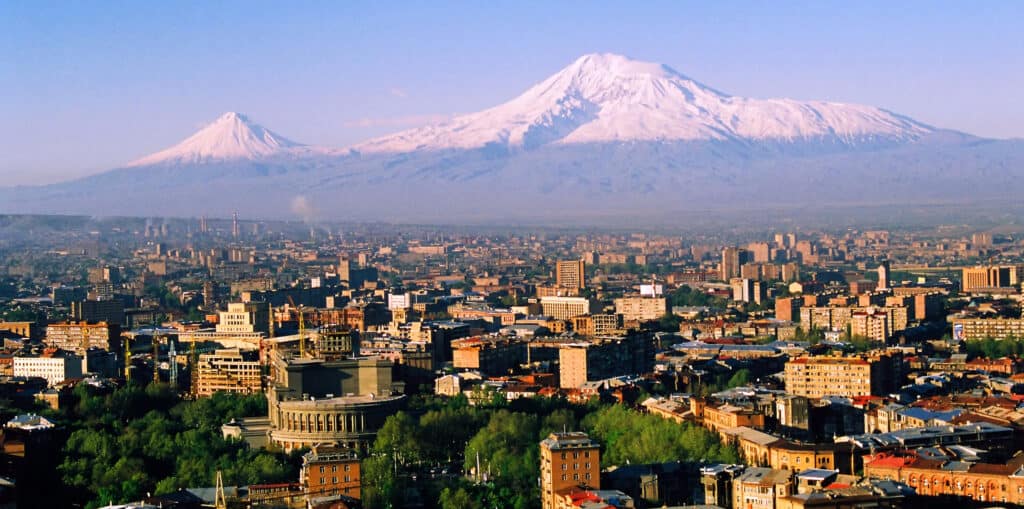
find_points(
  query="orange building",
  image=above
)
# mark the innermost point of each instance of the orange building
(567, 461)
(331, 471)
(731, 416)
(984, 482)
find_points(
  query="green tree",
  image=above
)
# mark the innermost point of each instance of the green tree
(739, 379)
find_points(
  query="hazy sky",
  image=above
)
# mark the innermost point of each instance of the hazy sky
(86, 86)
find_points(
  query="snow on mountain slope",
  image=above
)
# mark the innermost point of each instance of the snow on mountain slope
(231, 137)
(610, 98)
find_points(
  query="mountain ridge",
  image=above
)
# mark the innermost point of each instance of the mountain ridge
(611, 98)
(604, 137)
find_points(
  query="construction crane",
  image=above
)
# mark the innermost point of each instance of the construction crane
(219, 500)
(172, 357)
(127, 359)
(156, 356)
(85, 339)
(302, 328)
(193, 366)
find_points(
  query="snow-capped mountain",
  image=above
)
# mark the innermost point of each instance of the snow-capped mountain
(605, 139)
(602, 98)
(232, 137)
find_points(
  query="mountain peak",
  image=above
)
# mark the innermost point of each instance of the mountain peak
(616, 64)
(231, 137)
(605, 97)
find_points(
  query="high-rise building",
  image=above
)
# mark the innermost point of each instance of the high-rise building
(975, 278)
(570, 274)
(567, 460)
(760, 252)
(730, 266)
(91, 310)
(883, 275)
(234, 225)
(788, 308)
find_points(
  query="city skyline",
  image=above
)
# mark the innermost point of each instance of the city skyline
(110, 85)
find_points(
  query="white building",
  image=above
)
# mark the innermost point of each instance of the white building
(55, 368)
(244, 317)
(399, 301)
(564, 308)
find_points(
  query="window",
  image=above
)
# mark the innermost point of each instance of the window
(588, 477)
(563, 477)
(322, 470)
(347, 467)
(576, 477)
(565, 466)
(575, 466)
(323, 481)
(334, 468)
(334, 480)
(347, 479)
(563, 455)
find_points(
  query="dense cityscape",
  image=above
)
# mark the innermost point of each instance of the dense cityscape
(227, 362)
(511, 255)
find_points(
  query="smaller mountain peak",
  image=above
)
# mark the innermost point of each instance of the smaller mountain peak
(232, 116)
(231, 137)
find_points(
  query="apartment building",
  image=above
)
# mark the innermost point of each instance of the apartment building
(641, 308)
(80, 336)
(605, 357)
(567, 460)
(570, 274)
(817, 377)
(564, 308)
(490, 355)
(967, 329)
(761, 487)
(330, 471)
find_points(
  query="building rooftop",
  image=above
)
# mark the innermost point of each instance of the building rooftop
(569, 440)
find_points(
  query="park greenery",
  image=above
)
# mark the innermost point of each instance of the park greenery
(125, 443)
(686, 296)
(495, 447)
(133, 441)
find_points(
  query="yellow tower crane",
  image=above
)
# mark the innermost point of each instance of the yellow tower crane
(156, 356)
(127, 359)
(302, 328)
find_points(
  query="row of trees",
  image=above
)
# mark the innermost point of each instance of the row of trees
(992, 348)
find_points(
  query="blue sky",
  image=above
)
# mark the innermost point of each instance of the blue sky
(85, 86)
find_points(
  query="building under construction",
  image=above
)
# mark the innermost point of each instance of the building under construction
(228, 370)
